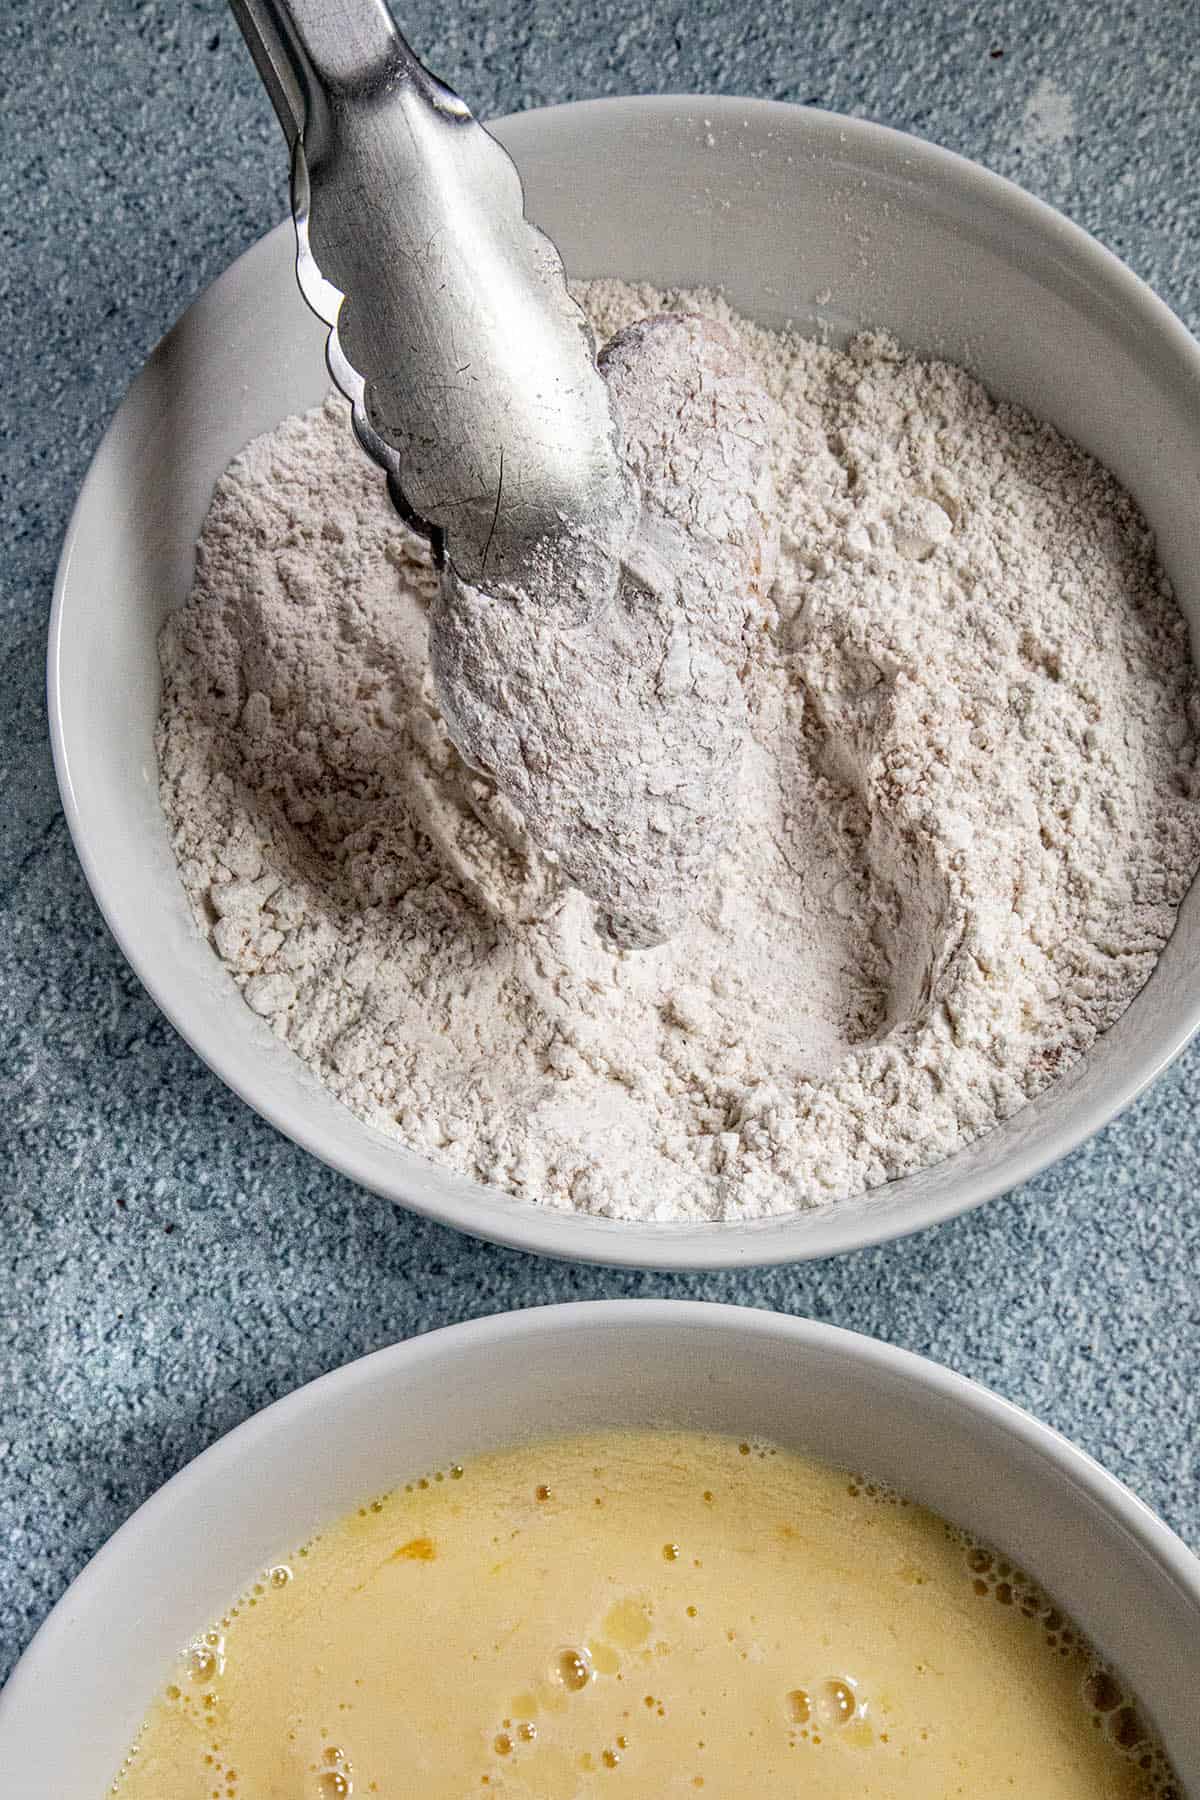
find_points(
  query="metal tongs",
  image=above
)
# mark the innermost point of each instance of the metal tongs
(469, 368)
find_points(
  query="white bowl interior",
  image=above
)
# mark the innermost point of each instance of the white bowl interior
(1122, 1575)
(800, 216)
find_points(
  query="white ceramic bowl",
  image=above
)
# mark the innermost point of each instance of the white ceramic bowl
(106, 1648)
(800, 216)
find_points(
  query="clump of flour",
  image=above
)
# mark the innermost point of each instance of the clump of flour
(966, 815)
(615, 720)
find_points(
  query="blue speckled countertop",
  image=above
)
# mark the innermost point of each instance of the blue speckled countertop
(170, 1263)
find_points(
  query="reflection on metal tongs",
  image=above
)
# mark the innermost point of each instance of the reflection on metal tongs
(469, 368)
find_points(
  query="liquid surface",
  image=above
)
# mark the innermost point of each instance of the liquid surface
(642, 1614)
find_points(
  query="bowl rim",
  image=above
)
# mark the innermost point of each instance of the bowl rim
(684, 1245)
(228, 1458)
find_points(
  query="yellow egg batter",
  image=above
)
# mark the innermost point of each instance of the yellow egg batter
(646, 1614)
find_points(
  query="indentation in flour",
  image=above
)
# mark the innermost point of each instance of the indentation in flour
(966, 813)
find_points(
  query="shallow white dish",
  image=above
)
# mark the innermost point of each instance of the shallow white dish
(800, 216)
(106, 1648)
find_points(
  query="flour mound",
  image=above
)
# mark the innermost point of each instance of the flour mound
(965, 816)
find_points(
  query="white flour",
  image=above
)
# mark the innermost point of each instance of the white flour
(967, 814)
(1049, 119)
(617, 729)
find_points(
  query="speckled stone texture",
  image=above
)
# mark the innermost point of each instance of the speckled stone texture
(171, 1263)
